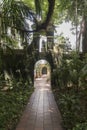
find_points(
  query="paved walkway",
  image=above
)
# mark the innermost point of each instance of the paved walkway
(41, 112)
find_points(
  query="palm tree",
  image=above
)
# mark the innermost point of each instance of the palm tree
(13, 15)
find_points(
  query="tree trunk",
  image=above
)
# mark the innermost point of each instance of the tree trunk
(84, 35)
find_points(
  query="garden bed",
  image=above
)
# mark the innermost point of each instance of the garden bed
(12, 105)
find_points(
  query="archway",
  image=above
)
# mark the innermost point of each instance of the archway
(42, 69)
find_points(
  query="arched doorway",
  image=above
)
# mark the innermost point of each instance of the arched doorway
(42, 69)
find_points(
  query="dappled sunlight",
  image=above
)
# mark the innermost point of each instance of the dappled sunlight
(42, 75)
(44, 89)
(41, 83)
(38, 79)
(48, 85)
(41, 110)
(50, 110)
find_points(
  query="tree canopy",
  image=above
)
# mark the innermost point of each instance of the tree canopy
(42, 12)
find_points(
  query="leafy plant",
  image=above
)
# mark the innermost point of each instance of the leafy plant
(69, 107)
(70, 91)
(12, 104)
(80, 126)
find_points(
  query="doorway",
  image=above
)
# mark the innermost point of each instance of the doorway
(42, 71)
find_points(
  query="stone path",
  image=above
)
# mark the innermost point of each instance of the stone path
(41, 112)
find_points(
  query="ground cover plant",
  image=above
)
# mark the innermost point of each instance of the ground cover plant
(12, 103)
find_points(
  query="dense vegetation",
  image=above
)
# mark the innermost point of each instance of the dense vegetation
(13, 99)
(70, 90)
(69, 77)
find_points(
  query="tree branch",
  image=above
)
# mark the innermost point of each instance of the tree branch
(44, 24)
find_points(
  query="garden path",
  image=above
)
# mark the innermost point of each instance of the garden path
(41, 112)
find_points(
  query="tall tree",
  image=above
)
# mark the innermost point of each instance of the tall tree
(75, 11)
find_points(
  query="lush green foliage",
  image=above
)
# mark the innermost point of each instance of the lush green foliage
(70, 76)
(12, 103)
(70, 89)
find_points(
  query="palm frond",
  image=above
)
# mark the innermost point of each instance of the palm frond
(9, 41)
(16, 12)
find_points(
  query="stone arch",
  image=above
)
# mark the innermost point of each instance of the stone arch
(42, 67)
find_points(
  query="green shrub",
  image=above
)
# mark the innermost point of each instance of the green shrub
(70, 109)
(12, 104)
(70, 81)
(80, 126)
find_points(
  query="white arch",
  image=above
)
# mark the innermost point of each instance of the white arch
(38, 69)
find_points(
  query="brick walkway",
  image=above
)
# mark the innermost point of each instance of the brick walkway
(41, 112)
